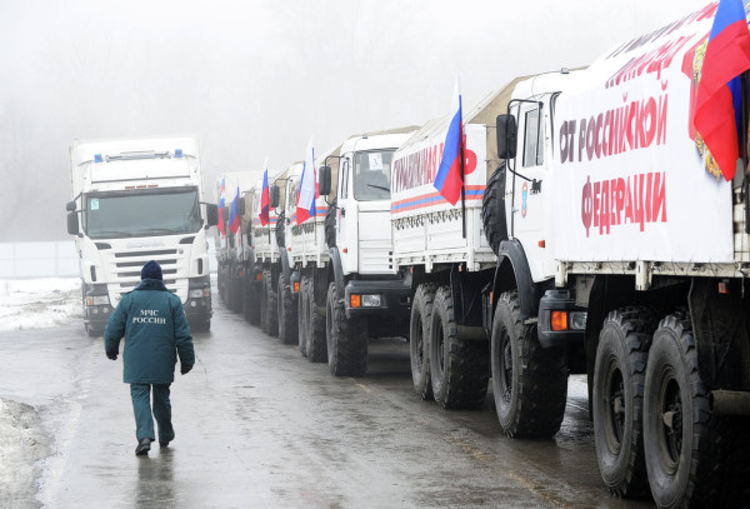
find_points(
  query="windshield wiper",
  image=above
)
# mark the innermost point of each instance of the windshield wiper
(164, 231)
(380, 187)
(109, 233)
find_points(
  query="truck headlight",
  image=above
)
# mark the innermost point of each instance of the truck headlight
(372, 301)
(196, 294)
(577, 320)
(98, 300)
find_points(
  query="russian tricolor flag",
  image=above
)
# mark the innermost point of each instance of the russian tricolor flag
(234, 217)
(265, 197)
(719, 99)
(307, 189)
(221, 209)
(449, 180)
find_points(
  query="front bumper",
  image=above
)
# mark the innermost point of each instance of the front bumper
(198, 305)
(393, 300)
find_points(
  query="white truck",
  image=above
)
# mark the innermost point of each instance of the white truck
(454, 270)
(610, 248)
(342, 269)
(233, 253)
(135, 200)
(276, 307)
(642, 233)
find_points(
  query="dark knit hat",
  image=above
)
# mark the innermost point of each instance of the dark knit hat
(151, 270)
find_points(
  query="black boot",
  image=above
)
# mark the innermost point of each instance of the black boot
(144, 445)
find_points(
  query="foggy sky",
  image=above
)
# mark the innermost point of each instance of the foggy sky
(259, 78)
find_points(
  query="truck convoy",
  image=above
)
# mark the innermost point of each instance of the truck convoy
(232, 249)
(136, 200)
(596, 234)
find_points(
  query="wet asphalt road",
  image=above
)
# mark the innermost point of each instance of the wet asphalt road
(259, 426)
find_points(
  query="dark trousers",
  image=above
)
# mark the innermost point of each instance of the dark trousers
(144, 419)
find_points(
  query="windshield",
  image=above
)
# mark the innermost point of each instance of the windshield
(372, 175)
(142, 214)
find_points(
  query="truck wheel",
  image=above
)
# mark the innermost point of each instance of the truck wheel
(530, 384)
(220, 284)
(329, 225)
(619, 377)
(271, 322)
(302, 322)
(287, 312)
(94, 332)
(493, 209)
(316, 336)
(458, 368)
(346, 339)
(419, 339)
(235, 304)
(252, 303)
(201, 326)
(676, 418)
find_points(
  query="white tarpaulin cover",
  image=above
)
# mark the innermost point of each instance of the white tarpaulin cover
(629, 181)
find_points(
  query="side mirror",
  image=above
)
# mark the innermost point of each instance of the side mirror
(507, 136)
(70, 206)
(273, 194)
(241, 206)
(212, 214)
(324, 180)
(73, 228)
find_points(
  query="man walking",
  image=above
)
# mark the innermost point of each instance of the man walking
(155, 328)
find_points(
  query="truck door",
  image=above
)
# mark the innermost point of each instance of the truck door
(346, 217)
(530, 205)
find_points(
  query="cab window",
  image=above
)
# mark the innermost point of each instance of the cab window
(533, 153)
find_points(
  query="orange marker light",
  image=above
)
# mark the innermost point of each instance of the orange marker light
(355, 301)
(542, 244)
(259, 276)
(296, 287)
(559, 320)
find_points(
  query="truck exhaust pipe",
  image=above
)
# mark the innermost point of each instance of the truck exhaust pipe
(724, 402)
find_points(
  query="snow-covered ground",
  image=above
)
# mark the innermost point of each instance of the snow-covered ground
(29, 304)
(39, 303)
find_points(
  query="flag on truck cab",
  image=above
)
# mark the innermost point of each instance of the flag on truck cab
(307, 188)
(221, 209)
(265, 197)
(449, 180)
(234, 217)
(719, 99)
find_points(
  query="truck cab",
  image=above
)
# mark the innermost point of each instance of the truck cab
(136, 200)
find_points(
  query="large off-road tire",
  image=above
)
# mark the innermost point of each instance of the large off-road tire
(251, 302)
(93, 332)
(201, 326)
(220, 281)
(346, 339)
(459, 369)
(287, 312)
(236, 291)
(269, 318)
(317, 350)
(619, 379)
(329, 225)
(303, 309)
(419, 339)
(493, 209)
(693, 458)
(530, 384)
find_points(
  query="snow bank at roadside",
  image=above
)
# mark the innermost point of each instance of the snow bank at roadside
(39, 303)
(21, 446)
